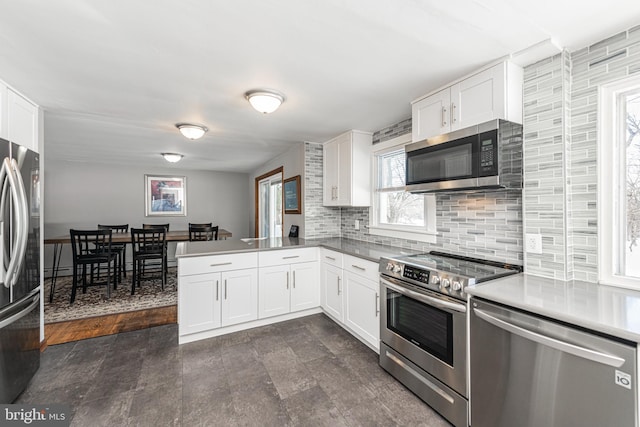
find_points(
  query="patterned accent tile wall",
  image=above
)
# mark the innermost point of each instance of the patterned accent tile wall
(319, 221)
(392, 131)
(561, 134)
(544, 157)
(604, 62)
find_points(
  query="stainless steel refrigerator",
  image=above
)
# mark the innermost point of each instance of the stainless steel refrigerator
(19, 269)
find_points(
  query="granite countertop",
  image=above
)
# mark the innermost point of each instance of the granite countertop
(607, 309)
(366, 250)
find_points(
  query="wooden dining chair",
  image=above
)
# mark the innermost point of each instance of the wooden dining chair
(119, 248)
(92, 248)
(148, 244)
(199, 233)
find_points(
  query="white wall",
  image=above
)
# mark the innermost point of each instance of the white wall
(292, 162)
(82, 195)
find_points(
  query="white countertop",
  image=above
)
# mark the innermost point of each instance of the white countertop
(611, 310)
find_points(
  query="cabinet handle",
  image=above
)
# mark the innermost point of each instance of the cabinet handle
(289, 257)
(330, 257)
(338, 285)
(444, 116)
(225, 288)
(220, 263)
(294, 280)
(377, 304)
(217, 290)
(453, 112)
(358, 267)
(287, 280)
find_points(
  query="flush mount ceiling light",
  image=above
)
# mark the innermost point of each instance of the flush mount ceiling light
(264, 101)
(191, 131)
(172, 157)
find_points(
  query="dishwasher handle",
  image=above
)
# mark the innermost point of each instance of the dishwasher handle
(557, 344)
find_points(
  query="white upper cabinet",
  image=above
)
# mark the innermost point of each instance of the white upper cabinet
(19, 118)
(347, 169)
(494, 93)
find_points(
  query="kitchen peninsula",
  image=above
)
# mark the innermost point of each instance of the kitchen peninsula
(232, 285)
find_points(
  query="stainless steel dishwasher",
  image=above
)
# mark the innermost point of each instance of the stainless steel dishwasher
(528, 371)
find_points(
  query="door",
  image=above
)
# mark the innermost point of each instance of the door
(528, 371)
(478, 99)
(362, 307)
(431, 116)
(274, 291)
(345, 156)
(332, 286)
(202, 294)
(240, 296)
(305, 289)
(269, 204)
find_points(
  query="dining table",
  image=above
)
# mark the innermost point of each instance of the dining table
(59, 241)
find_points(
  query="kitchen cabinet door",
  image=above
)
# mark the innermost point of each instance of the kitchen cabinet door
(333, 290)
(331, 173)
(240, 296)
(362, 307)
(431, 116)
(274, 294)
(201, 294)
(22, 121)
(478, 99)
(305, 286)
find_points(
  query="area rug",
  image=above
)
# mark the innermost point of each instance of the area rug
(95, 302)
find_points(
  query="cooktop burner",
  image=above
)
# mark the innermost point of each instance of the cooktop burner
(445, 273)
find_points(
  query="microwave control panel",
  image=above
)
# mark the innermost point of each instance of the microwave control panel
(487, 154)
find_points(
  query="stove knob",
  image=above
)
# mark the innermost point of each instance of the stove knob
(389, 266)
(456, 286)
(397, 269)
(435, 279)
(445, 283)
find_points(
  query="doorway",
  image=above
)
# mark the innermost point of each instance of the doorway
(269, 213)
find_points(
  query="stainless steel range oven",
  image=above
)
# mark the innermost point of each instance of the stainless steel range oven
(423, 330)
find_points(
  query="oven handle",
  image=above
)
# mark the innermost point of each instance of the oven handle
(436, 302)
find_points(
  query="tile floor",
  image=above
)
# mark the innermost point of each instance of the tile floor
(303, 372)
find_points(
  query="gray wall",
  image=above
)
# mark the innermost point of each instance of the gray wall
(81, 195)
(292, 162)
(561, 119)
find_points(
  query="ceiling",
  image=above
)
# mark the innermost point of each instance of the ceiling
(113, 77)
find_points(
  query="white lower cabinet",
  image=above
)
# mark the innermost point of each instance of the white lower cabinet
(239, 296)
(362, 307)
(217, 299)
(350, 294)
(288, 288)
(199, 297)
(332, 288)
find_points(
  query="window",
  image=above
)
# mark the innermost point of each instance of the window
(619, 184)
(397, 213)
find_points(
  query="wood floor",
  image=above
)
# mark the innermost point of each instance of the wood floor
(75, 330)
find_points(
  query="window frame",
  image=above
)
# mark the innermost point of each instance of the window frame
(611, 202)
(426, 233)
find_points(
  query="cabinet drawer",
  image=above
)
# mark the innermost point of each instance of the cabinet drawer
(361, 267)
(331, 257)
(215, 263)
(287, 256)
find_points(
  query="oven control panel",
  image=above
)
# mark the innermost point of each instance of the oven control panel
(417, 274)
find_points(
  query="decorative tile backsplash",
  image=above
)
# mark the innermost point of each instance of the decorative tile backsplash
(319, 221)
(561, 133)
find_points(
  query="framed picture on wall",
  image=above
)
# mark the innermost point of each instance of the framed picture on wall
(292, 195)
(165, 195)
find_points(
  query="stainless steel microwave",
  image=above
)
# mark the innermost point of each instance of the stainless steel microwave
(485, 156)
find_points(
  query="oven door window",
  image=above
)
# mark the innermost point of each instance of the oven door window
(427, 327)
